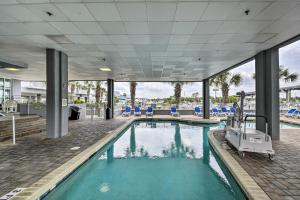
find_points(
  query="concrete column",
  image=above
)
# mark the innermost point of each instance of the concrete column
(267, 91)
(57, 93)
(205, 91)
(110, 96)
(288, 95)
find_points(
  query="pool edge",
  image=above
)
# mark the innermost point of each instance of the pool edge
(245, 181)
(44, 185)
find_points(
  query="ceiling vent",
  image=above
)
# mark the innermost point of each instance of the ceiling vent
(59, 39)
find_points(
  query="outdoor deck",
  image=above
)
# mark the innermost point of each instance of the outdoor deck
(34, 156)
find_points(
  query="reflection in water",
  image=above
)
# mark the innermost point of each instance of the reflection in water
(110, 154)
(205, 145)
(132, 140)
(177, 149)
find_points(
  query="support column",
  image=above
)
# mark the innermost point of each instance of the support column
(57, 93)
(205, 91)
(267, 91)
(110, 96)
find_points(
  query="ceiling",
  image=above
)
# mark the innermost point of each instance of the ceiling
(142, 40)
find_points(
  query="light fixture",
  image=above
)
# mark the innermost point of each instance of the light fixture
(105, 69)
(12, 69)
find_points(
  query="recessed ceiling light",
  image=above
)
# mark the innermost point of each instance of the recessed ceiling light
(105, 69)
(12, 69)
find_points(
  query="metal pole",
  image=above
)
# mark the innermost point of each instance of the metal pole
(28, 102)
(14, 129)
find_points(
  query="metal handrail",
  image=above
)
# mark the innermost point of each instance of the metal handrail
(261, 116)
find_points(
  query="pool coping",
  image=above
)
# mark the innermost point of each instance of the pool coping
(251, 189)
(47, 183)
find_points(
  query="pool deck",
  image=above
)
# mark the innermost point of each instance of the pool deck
(280, 179)
(36, 157)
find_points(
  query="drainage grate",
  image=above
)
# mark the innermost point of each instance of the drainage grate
(12, 193)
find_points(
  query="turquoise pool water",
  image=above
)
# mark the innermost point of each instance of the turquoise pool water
(152, 160)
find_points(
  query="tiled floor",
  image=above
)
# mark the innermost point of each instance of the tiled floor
(280, 178)
(35, 156)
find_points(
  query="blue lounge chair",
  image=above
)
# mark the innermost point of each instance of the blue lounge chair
(291, 112)
(215, 112)
(231, 110)
(137, 111)
(149, 111)
(127, 112)
(224, 111)
(197, 111)
(174, 111)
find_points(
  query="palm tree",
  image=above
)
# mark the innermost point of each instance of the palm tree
(98, 92)
(132, 92)
(72, 85)
(286, 76)
(78, 86)
(224, 80)
(89, 86)
(177, 92)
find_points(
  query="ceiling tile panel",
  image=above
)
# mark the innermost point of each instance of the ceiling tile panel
(160, 27)
(41, 11)
(104, 11)
(20, 13)
(184, 27)
(89, 27)
(190, 11)
(137, 27)
(113, 27)
(75, 12)
(132, 11)
(66, 27)
(207, 27)
(161, 11)
(218, 10)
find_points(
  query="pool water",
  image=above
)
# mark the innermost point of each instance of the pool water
(152, 160)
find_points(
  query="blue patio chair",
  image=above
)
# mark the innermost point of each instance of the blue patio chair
(231, 110)
(197, 111)
(215, 112)
(127, 112)
(174, 111)
(224, 111)
(291, 112)
(137, 111)
(149, 111)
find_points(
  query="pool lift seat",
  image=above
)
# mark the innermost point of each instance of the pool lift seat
(247, 139)
(250, 140)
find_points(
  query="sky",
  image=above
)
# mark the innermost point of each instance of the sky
(289, 56)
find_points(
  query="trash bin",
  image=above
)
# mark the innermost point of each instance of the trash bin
(74, 113)
(108, 113)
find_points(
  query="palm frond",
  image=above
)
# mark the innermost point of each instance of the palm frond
(235, 79)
